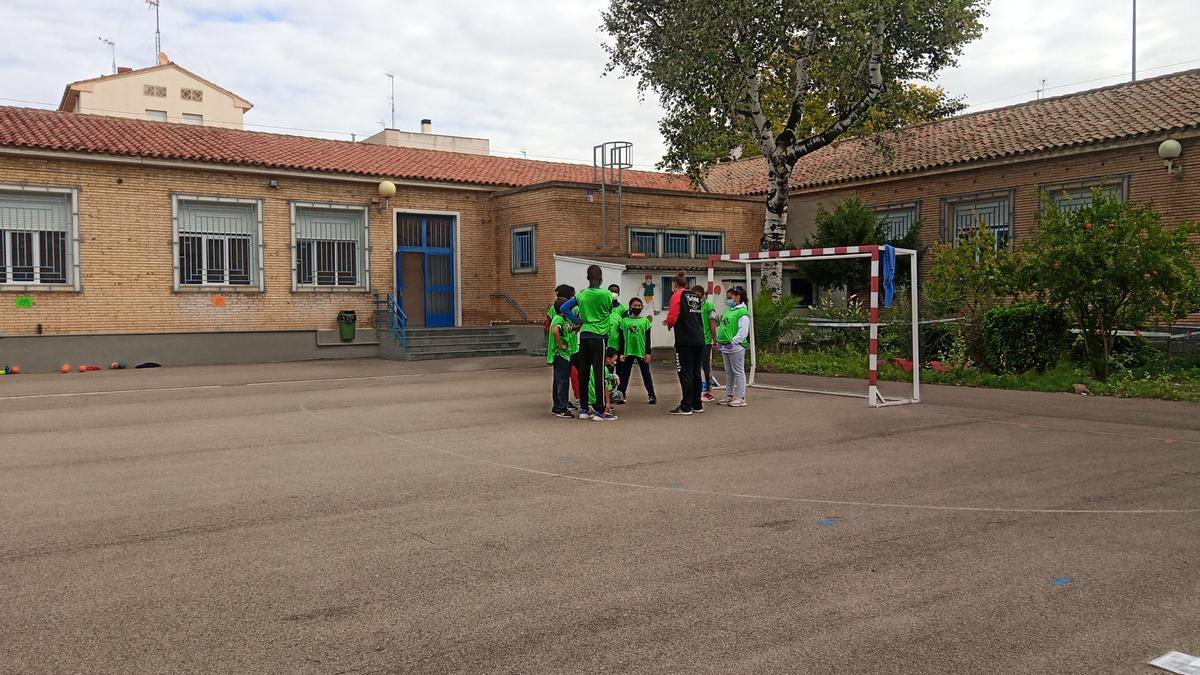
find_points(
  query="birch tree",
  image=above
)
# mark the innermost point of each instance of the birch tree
(712, 62)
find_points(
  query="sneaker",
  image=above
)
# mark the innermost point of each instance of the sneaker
(698, 409)
(564, 415)
(737, 403)
(725, 401)
(652, 401)
(707, 397)
(571, 405)
(679, 410)
(584, 414)
(604, 417)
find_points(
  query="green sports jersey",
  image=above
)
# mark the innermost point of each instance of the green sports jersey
(570, 336)
(635, 329)
(594, 307)
(615, 323)
(706, 310)
(729, 325)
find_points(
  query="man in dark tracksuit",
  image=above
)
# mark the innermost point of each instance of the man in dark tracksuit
(684, 318)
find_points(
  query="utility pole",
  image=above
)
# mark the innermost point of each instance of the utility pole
(112, 46)
(1134, 75)
(393, 78)
(157, 29)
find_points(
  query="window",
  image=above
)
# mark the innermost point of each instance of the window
(189, 118)
(1077, 195)
(191, 94)
(156, 115)
(642, 241)
(154, 90)
(992, 210)
(523, 240)
(218, 241)
(667, 291)
(331, 246)
(37, 237)
(803, 291)
(676, 243)
(899, 219)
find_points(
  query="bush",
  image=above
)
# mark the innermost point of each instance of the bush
(775, 320)
(1022, 337)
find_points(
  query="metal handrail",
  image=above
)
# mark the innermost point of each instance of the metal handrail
(511, 301)
(397, 321)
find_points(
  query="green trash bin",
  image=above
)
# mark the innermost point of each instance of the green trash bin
(346, 324)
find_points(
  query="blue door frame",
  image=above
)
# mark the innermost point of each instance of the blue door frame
(432, 236)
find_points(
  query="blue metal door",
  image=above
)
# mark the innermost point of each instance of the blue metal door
(431, 237)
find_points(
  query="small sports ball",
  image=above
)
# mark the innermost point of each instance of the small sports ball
(66, 368)
(121, 365)
(617, 396)
(83, 369)
(15, 370)
(114, 365)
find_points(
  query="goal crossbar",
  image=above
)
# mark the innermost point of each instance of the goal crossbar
(872, 251)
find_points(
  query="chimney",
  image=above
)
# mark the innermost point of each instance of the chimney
(124, 69)
(427, 126)
(162, 59)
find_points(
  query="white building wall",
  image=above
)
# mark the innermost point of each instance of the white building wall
(124, 96)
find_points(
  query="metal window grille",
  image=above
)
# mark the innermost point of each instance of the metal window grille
(1078, 195)
(710, 244)
(677, 245)
(991, 210)
(898, 220)
(330, 245)
(522, 245)
(218, 243)
(668, 291)
(642, 241)
(36, 238)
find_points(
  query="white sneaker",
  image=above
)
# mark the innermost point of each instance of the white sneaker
(737, 403)
(726, 401)
(584, 415)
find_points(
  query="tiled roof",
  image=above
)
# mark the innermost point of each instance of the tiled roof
(1111, 114)
(50, 130)
(657, 264)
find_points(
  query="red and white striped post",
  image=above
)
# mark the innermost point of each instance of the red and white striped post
(873, 397)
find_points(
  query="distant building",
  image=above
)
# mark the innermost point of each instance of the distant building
(162, 93)
(427, 140)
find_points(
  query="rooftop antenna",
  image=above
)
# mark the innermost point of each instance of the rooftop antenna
(393, 79)
(609, 161)
(1041, 89)
(112, 47)
(1134, 73)
(157, 29)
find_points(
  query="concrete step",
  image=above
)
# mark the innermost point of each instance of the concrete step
(458, 354)
(464, 348)
(465, 340)
(456, 332)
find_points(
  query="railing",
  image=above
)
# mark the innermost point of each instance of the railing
(393, 318)
(511, 301)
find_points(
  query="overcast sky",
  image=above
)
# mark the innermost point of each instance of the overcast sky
(526, 74)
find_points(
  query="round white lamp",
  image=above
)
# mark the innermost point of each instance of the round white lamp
(1170, 150)
(387, 190)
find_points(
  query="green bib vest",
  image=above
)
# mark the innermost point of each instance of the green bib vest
(729, 325)
(615, 324)
(706, 311)
(634, 329)
(594, 307)
(570, 337)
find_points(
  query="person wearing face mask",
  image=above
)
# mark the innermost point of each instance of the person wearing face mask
(732, 340)
(633, 345)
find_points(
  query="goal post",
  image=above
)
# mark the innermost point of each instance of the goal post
(872, 251)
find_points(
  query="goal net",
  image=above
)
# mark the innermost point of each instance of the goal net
(756, 258)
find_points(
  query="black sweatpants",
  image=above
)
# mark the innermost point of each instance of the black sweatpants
(687, 362)
(625, 370)
(591, 369)
(706, 366)
(562, 383)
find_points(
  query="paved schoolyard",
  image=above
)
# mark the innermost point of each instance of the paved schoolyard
(375, 517)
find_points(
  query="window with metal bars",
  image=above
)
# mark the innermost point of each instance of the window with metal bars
(710, 244)
(1078, 194)
(992, 210)
(218, 241)
(643, 241)
(523, 240)
(36, 237)
(898, 219)
(330, 245)
(677, 245)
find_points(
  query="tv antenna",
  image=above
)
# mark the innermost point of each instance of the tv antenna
(393, 80)
(157, 29)
(112, 47)
(1042, 89)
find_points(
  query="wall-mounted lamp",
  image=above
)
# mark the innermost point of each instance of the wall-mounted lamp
(273, 184)
(387, 190)
(1169, 150)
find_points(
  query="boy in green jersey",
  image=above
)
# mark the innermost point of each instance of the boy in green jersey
(633, 343)
(564, 343)
(591, 309)
(619, 311)
(708, 318)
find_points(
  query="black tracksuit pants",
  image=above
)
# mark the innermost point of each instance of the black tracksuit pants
(687, 362)
(625, 370)
(562, 383)
(591, 369)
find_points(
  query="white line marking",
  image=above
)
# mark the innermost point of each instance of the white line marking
(425, 444)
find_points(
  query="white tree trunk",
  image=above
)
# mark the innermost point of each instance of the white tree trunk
(775, 224)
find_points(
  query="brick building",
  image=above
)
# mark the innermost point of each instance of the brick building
(185, 236)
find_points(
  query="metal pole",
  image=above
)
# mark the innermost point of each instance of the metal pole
(916, 329)
(753, 344)
(1134, 75)
(393, 99)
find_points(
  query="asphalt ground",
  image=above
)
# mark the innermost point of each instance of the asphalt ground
(378, 517)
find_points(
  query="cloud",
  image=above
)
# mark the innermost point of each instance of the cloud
(527, 74)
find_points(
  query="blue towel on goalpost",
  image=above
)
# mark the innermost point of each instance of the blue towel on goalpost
(888, 272)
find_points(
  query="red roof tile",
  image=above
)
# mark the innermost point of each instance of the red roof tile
(70, 132)
(1125, 111)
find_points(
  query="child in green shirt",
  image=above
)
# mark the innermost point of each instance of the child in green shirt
(561, 349)
(633, 341)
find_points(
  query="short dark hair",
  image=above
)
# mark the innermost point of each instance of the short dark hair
(638, 300)
(558, 304)
(699, 290)
(738, 291)
(611, 352)
(680, 279)
(615, 288)
(594, 273)
(565, 291)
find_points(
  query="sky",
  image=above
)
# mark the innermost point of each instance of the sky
(526, 74)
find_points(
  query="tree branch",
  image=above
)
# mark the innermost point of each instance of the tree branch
(798, 96)
(762, 127)
(875, 89)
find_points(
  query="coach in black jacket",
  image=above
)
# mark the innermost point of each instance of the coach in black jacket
(684, 318)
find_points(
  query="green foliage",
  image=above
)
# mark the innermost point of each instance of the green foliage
(967, 279)
(1111, 266)
(1023, 336)
(850, 223)
(775, 321)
